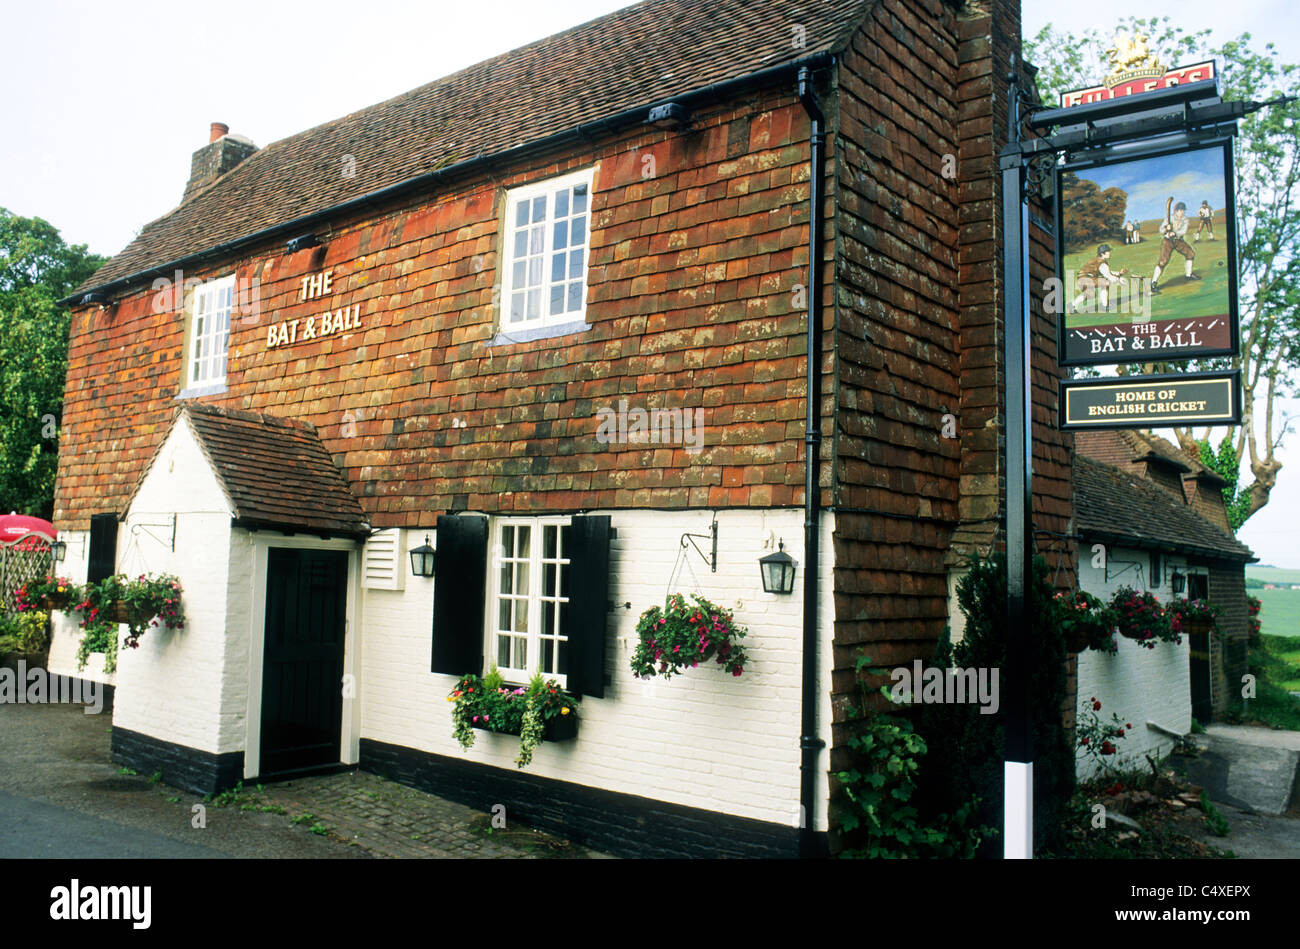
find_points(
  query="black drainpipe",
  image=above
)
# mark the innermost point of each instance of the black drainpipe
(809, 743)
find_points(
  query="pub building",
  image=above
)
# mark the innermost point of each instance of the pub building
(404, 329)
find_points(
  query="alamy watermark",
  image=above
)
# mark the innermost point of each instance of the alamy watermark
(35, 686)
(935, 686)
(638, 426)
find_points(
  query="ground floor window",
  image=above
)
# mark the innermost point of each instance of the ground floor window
(530, 585)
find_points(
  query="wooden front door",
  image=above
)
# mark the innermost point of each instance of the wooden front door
(302, 673)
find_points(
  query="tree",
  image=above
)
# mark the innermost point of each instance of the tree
(1226, 463)
(1095, 216)
(36, 270)
(1267, 160)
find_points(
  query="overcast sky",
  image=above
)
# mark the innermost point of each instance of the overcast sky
(105, 102)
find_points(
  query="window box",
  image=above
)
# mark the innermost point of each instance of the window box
(557, 729)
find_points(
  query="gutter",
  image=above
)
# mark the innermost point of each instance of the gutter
(810, 744)
(704, 95)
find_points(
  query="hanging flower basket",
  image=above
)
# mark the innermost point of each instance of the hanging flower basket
(681, 636)
(1194, 617)
(1086, 622)
(1140, 617)
(45, 594)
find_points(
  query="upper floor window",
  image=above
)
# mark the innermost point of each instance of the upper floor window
(544, 267)
(209, 333)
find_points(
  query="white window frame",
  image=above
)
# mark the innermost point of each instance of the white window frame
(206, 299)
(507, 257)
(536, 597)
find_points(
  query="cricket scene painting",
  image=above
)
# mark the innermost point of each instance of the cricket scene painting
(1147, 259)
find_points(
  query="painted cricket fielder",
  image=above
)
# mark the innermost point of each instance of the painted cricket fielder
(1206, 214)
(1172, 234)
(1096, 277)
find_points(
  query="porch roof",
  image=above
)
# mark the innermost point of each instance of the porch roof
(276, 472)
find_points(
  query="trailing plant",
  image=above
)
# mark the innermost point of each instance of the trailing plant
(1140, 617)
(883, 820)
(680, 636)
(142, 603)
(1214, 819)
(967, 747)
(1097, 738)
(1086, 622)
(488, 703)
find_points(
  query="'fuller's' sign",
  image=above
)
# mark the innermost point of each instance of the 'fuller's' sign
(1136, 70)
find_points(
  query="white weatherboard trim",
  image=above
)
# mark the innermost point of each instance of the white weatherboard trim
(350, 750)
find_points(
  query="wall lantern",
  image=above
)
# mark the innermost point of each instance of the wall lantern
(422, 559)
(777, 571)
(58, 550)
(1178, 581)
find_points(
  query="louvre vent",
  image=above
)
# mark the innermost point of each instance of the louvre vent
(381, 561)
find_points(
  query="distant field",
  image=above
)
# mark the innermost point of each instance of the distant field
(1280, 613)
(1272, 574)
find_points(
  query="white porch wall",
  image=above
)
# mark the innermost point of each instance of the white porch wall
(171, 687)
(65, 629)
(703, 739)
(1140, 685)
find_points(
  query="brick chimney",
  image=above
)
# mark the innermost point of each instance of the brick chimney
(222, 153)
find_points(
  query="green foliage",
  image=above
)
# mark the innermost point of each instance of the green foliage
(36, 269)
(1227, 465)
(967, 747)
(884, 821)
(26, 632)
(680, 636)
(1214, 819)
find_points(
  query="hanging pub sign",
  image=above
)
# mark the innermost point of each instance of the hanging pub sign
(1209, 398)
(1146, 257)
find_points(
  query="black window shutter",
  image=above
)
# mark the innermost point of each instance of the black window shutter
(583, 618)
(459, 587)
(103, 547)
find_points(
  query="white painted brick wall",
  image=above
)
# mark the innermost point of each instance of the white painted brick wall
(1137, 683)
(171, 687)
(703, 739)
(65, 629)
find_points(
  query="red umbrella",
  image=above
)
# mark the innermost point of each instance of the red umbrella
(16, 527)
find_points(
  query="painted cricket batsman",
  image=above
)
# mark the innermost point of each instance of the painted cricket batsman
(1095, 278)
(1206, 214)
(1172, 233)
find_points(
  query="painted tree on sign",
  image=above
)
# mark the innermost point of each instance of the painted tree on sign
(1266, 154)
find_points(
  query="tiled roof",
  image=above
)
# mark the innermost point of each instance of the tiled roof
(1121, 506)
(275, 471)
(640, 55)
